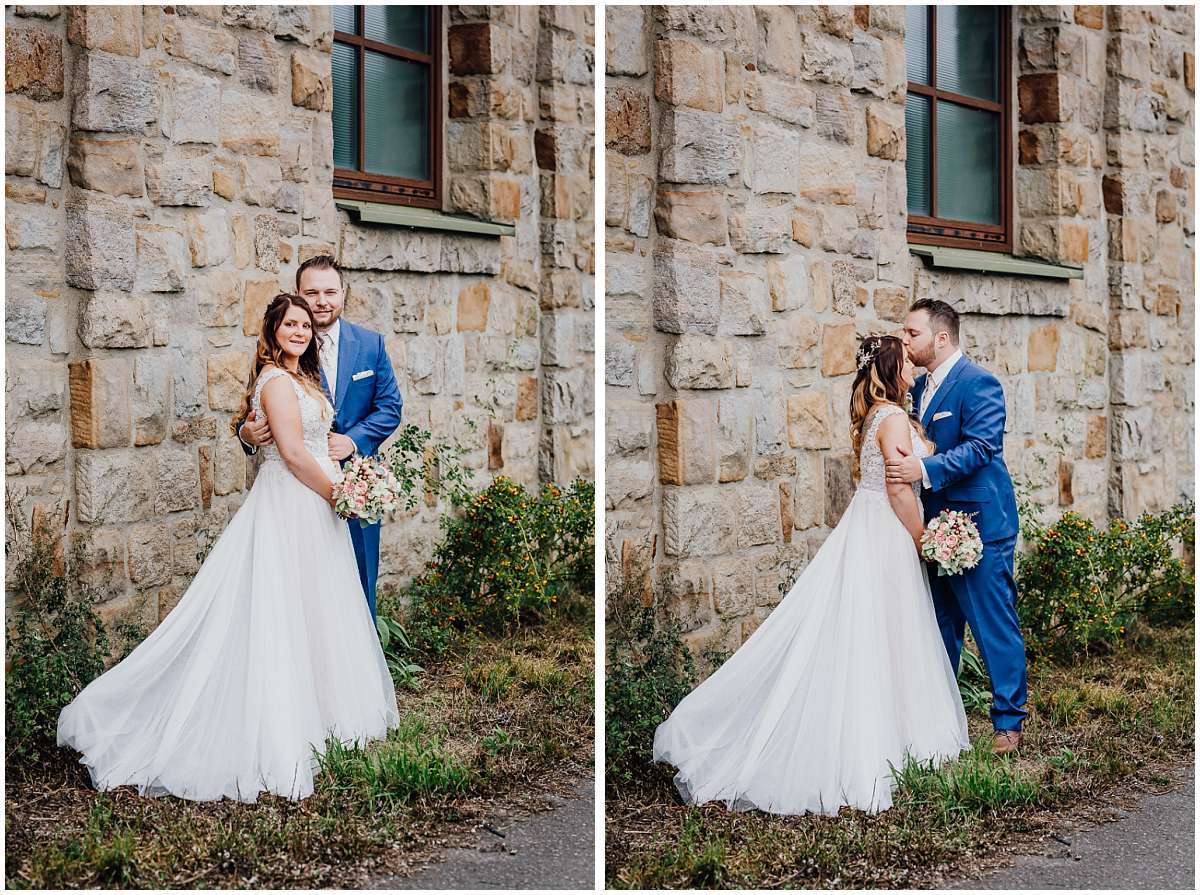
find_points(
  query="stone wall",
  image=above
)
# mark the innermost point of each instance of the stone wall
(168, 168)
(756, 229)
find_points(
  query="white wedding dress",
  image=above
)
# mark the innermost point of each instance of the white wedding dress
(270, 651)
(846, 679)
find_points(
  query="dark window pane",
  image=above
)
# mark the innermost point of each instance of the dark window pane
(343, 19)
(403, 26)
(968, 175)
(396, 109)
(916, 126)
(345, 106)
(967, 58)
(916, 43)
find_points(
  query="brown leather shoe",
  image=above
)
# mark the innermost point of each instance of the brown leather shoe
(1006, 741)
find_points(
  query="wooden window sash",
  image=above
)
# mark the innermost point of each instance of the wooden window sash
(932, 229)
(365, 185)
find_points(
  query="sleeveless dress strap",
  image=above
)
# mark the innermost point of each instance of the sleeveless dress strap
(266, 376)
(880, 415)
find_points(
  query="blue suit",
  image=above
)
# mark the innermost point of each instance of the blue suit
(367, 408)
(965, 418)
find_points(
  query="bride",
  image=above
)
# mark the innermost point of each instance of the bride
(271, 650)
(848, 676)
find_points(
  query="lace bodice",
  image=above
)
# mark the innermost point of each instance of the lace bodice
(316, 416)
(871, 476)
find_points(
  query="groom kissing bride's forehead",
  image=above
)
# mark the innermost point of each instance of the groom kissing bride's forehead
(961, 407)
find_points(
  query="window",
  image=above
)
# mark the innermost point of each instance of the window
(387, 88)
(957, 120)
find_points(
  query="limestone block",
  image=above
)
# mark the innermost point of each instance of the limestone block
(771, 160)
(838, 346)
(699, 362)
(25, 318)
(228, 372)
(266, 242)
(178, 176)
(808, 420)
(32, 228)
(162, 259)
(114, 29)
(796, 341)
(686, 291)
(758, 515)
(106, 164)
(839, 488)
(558, 340)
(312, 84)
(692, 215)
(627, 120)
(33, 63)
(761, 230)
(113, 486)
(208, 46)
(148, 405)
(689, 74)
(149, 556)
(628, 428)
(100, 405)
(257, 17)
(1046, 97)
(697, 521)
(779, 34)
(249, 123)
(826, 59)
(115, 320)
(787, 280)
(786, 100)
(176, 481)
(697, 147)
(33, 146)
(1043, 348)
(625, 40)
(112, 93)
(686, 439)
(191, 106)
(564, 395)
(734, 438)
(885, 131)
(744, 304)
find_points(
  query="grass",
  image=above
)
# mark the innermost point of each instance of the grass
(1097, 726)
(464, 746)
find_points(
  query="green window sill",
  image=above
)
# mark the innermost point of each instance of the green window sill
(992, 262)
(421, 218)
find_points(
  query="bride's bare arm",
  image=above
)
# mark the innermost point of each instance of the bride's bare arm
(283, 410)
(895, 438)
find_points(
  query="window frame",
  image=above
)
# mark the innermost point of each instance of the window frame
(934, 230)
(364, 185)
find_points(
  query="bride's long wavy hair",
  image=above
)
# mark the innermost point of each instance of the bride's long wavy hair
(879, 381)
(270, 352)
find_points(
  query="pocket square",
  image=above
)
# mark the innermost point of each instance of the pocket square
(942, 415)
(363, 375)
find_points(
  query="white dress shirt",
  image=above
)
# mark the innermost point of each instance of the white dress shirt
(933, 380)
(329, 355)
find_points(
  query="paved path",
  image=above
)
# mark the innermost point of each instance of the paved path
(1153, 847)
(553, 849)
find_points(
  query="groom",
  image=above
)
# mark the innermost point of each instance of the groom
(961, 407)
(356, 372)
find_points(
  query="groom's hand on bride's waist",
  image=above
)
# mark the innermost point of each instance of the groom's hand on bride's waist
(256, 432)
(904, 469)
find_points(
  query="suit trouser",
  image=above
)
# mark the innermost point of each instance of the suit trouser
(985, 598)
(366, 553)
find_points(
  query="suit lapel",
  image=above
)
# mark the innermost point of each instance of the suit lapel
(943, 390)
(347, 350)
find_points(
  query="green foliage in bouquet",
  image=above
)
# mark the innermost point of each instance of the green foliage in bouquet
(1081, 588)
(55, 643)
(650, 670)
(506, 559)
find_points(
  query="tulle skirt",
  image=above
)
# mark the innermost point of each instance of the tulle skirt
(269, 652)
(843, 682)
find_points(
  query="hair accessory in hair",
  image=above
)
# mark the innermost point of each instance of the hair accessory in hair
(866, 352)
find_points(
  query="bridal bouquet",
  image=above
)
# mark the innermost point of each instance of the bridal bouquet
(952, 541)
(367, 492)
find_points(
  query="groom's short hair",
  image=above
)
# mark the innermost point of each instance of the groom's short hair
(319, 262)
(941, 316)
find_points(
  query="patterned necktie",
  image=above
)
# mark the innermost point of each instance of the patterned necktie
(930, 387)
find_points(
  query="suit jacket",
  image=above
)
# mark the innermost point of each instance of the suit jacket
(965, 419)
(368, 404)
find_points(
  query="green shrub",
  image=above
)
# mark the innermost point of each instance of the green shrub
(506, 559)
(397, 650)
(1081, 588)
(55, 642)
(650, 669)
